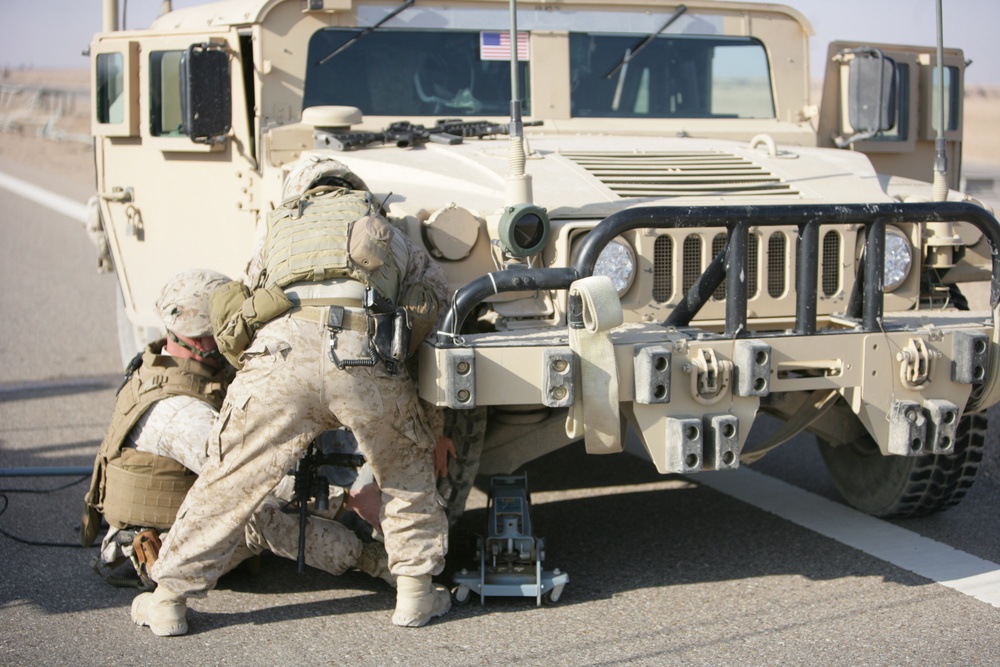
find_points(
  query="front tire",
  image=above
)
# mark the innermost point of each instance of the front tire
(904, 486)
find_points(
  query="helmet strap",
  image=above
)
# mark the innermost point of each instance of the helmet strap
(213, 355)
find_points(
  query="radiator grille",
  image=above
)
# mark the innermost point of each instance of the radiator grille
(681, 256)
(663, 269)
(776, 253)
(831, 263)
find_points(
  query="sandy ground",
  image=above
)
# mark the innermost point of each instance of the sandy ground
(66, 152)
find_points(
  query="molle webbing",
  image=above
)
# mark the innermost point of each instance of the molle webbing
(146, 484)
(144, 489)
(308, 239)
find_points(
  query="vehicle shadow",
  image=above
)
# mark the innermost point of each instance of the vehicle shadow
(635, 528)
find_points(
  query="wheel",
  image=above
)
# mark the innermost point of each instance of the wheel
(461, 595)
(553, 596)
(467, 428)
(902, 486)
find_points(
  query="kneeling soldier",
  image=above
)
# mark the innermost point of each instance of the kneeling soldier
(157, 444)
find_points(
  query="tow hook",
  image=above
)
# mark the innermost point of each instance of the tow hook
(710, 376)
(915, 362)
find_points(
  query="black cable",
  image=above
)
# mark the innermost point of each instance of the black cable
(57, 488)
(33, 543)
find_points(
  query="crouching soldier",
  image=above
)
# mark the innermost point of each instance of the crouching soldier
(157, 444)
(339, 300)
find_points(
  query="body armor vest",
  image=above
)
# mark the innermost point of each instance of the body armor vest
(134, 488)
(330, 234)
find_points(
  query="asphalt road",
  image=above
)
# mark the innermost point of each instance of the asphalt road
(663, 570)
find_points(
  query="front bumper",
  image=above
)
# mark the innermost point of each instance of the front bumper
(693, 395)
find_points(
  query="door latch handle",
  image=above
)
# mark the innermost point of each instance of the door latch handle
(118, 194)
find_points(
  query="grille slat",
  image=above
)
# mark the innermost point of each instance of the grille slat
(830, 266)
(690, 262)
(718, 243)
(663, 269)
(776, 247)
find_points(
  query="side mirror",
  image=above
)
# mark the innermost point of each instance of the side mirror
(871, 94)
(206, 93)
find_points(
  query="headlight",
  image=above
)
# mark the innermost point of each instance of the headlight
(617, 261)
(898, 258)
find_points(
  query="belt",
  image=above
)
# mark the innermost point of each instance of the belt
(355, 319)
(333, 292)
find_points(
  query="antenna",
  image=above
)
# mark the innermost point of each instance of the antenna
(518, 189)
(523, 228)
(940, 188)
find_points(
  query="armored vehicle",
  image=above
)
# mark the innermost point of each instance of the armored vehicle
(653, 236)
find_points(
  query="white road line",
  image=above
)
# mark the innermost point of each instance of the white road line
(56, 202)
(903, 548)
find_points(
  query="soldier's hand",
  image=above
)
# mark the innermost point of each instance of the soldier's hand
(443, 451)
(367, 503)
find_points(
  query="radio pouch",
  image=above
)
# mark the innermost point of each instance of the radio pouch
(237, 314)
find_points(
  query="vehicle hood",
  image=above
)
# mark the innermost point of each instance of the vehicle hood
(595, 176)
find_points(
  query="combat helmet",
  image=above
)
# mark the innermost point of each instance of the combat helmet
(314, 171)
(184, 302)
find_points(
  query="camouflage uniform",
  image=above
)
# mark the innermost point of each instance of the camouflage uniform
(287, 393)
(178, 427)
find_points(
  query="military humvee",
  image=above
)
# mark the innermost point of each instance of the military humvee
(649, 229)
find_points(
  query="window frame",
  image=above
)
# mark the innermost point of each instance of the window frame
(129, 124)
(711, 82)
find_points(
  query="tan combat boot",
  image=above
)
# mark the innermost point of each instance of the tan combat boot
(374, 561)
(418, 601)
(164, 612)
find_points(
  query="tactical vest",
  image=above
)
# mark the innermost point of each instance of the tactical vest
(330, 233)
(134, 488)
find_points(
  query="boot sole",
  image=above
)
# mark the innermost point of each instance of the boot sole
(422, 621)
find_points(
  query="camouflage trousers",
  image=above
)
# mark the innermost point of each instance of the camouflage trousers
(288, 392)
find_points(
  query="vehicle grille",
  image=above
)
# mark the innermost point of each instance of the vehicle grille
(830, 278)
(681, 174)
(680, 256)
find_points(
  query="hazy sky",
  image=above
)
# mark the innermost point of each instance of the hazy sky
(52, 34)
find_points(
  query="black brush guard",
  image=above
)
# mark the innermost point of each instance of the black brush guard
(864, 305)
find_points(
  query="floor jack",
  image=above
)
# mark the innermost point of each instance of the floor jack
(510, 559)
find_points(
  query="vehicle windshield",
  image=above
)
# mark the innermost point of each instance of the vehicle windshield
(672, 77)
(459, 73)
(414, 73)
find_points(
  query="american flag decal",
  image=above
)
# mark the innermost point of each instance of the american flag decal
(496, 46)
